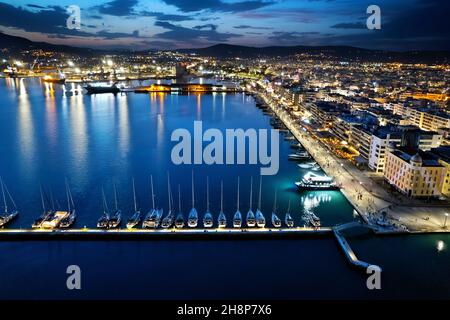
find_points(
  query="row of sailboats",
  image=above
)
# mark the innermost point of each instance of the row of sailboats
(7, 215)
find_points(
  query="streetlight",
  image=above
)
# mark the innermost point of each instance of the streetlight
(445, 221)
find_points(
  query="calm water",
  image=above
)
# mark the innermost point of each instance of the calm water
(48, 133)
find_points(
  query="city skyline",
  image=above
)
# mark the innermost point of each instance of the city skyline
(174, 24)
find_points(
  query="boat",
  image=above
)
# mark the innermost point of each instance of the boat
(7, 216)
(237, 219)
(222, 219)
(137, 216)
(288, 218)
(102, 89)
(207, 218)
(276, 222)
(179, 221)
(46, 214)
(260, 219)
(308, 165)
(297, 146)
(300, 155)
(116, 218)
(60, 79)
(250, 219)
(193, 215)
(153, 217)
(312, 219)
(312, 181)
(289, 137)
(103, 221)
(69, 220)
(168, 220)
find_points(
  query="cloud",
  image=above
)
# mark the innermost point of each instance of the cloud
(209, 26)
(243, 26)
(35, 6)
(292, 37)
(350, 25)
(166, 17)
(218, 5)
(118, 8)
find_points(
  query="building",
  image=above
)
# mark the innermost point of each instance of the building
(415, 173)
(426, 118)
(443, 153)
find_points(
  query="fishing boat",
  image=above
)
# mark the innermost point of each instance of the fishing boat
(7, 216)
(136, 217)
(116, 218)
(103, 221)
(153, 217)
(250, 219)
(260, 219)
(179, 221)
(168, 220)
(237, 219)
(276, 222)
(207, 218)
(222, 219)
(69, 220)
(193, 215)
(312, 181)
(45, 214)
(288, 218)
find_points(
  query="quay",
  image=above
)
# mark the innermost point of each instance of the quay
(187, 88)
(136, 234)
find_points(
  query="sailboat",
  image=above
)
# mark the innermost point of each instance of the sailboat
(288, 218)
(207, 218)
(168, 221)
(222, 219)
(103, 221)
(7, 216)
(260, 219)
(136, 217)
(69, 219)
(193, 215)
(153, 217)
(276, 222)
(251, 221)
(179, 221)
(116, 218)
(45, 214)
(237, 219)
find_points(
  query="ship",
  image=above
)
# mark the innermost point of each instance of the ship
(250, 219)
(60, 79)
(168, 220)
(116, 218)
(179, 221)
(8, 215)
(113, 88)
(222, 219)
(193, 215)
(288, 218)
(260, 219)
(237, 219)
(276, 222)
(207, 218)
(153, 217)
(312, 181)
(135, 219)
(103, 221)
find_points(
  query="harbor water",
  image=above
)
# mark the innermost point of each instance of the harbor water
(52, 132)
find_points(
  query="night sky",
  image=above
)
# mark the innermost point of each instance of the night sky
(167, 24)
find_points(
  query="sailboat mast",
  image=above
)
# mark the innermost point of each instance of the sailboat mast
(237, 205)
(67, 195)
(193, 200)
(251, 193)
(221, 196)
(153, 193)
(168, 192)
(179, 198)
(4, 197)
(42, 199)
(275, 201)
(134, 197)
(259, 199)
(115, 196)
(289, 206)
(207, 193)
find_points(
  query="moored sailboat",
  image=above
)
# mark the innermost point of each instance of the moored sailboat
(260, 219)
(222, 219)
(237, 219)
(251, 221)
(207, 218)
(179, 221)
(276, 222)
(193, 215)
(135, 219)
(7, 216)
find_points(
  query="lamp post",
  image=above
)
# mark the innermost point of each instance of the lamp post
(445, 221)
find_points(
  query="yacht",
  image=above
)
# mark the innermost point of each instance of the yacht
(312, 181)
(116, 218)
(222, 219)
(260, 219)
(168, 220)
(179, 221)
(103, 221)
(237, 219)
(207, 218)
(69, 220)
(288, 218)
(300, 155)
(313, 220)
(46, 214)
(153, 217)
(193, 215)
(102, 89)
(136, 217)
(7, 216)
(276, 222)
(251, 221)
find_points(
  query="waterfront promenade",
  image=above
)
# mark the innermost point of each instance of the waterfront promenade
(367, 197)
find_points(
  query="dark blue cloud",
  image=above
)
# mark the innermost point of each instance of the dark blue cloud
(218, 5)
(118, 8)
(180, 33)
(165, 17)
(350, 25)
